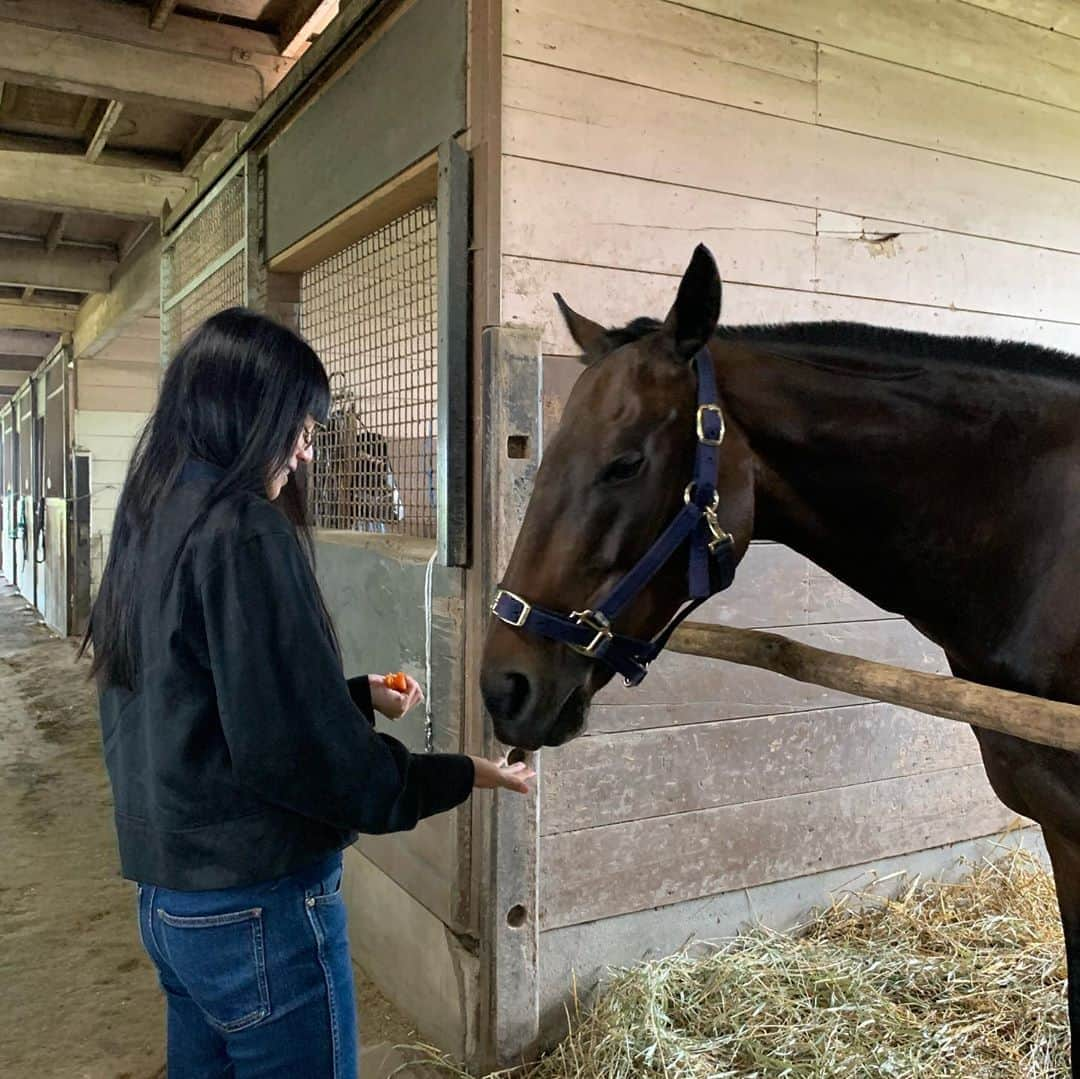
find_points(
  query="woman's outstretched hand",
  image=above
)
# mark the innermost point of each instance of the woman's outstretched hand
(493, 774)
(389, 702)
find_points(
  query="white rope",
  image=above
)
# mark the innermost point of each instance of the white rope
(429, 725)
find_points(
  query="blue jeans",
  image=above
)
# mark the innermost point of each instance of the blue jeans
(258, 980)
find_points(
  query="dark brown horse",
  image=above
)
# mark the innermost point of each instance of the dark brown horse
(939, 477)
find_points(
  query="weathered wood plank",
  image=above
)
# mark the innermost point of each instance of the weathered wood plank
(36, 316)
(137, 376)
(1061, 16)
(105, 125)
(652, 43)
(71, 269)
(128, 23)
(600, 872)
(135, 292)
(905, 264)
(564, 214)
(574, 119)
(303, 21)
(615, 296)
(97, 67)
(873, 97)
(425, 970)
(712, 689)
(64, 183)
(103, 426)
(950, 37)
(654, 773)
(423, 862)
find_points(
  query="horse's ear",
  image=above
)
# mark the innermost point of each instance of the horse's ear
(590, 336)
(692, 320)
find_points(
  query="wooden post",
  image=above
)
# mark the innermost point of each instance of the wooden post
(1051, 723)
(510, 935)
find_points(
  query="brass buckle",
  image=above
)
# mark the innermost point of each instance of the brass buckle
(526, 608)
(715, 409)
(593, 620)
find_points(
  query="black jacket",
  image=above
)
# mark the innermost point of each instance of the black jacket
(243, 753)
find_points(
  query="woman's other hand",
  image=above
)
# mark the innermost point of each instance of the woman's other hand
(389, 702)
(493, 774)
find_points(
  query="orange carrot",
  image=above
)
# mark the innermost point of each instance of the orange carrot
(397, 682)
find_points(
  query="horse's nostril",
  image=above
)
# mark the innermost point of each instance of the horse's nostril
(506, 694)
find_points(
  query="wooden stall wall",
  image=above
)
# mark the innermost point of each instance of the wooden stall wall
(115, 391)
(911, 165)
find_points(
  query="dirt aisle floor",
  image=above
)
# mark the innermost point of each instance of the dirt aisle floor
(78, 996)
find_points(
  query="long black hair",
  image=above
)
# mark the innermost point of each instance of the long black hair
(236, 395)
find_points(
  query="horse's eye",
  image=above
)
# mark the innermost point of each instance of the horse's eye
(625, 467)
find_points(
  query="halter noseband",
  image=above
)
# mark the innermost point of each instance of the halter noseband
(711, 566)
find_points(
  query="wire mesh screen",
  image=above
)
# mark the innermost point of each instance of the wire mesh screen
(370, 311)
(194, 262)
(223, 288)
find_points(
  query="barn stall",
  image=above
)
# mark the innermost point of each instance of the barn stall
(908, 166)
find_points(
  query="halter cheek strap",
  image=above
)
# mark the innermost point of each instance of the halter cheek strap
(710, 569)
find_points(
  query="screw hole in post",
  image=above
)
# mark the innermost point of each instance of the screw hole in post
(517, 916)
(517, 447)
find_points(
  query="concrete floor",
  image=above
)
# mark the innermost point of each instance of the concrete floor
(78, 996)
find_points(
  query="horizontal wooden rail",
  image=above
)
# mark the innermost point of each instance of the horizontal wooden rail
(1053, 723)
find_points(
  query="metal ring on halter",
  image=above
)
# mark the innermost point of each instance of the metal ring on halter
(688, 497)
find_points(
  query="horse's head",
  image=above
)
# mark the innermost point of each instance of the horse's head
(611, 480)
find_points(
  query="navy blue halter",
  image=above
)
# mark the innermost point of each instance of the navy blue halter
(711, 564)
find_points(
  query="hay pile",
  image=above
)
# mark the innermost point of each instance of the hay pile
(963, 979)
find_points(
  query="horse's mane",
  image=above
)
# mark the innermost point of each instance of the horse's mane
(833, 342)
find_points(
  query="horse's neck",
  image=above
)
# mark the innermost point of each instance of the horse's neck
(902, 487)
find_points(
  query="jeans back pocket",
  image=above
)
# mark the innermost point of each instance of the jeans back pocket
(220, 960)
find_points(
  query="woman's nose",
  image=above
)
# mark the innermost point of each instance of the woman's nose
(307, 453)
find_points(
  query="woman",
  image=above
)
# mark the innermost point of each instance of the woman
(242, 761)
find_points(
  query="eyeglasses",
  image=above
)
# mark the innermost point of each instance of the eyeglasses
(307, 434)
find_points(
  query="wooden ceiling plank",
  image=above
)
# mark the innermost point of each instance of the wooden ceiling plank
(305, 19)
(136, 291)
(56, 232)
(184, 36)
(109, 119)
(65, 183)
(68, 269)
(50, 318)
(98, 67)
(160, 12)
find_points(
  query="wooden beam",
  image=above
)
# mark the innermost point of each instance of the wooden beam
(51, 318)
(56, 232)
(104, 129)
(160, 12)
(19, 362)
(304, 20)
(1051, 723)
(64, 183)
(70, 269)
(136, 290)
(127, 23)
(98, 67)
